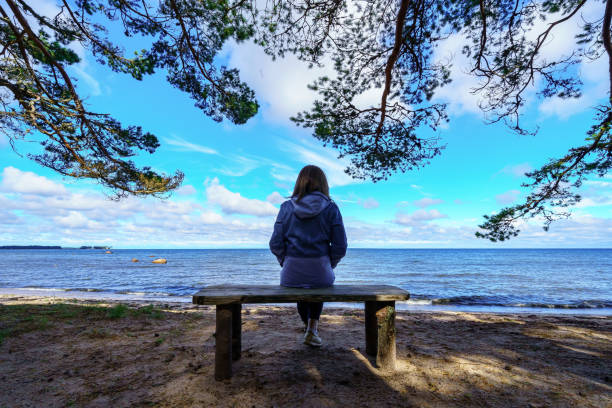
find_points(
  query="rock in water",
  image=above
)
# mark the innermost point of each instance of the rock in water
(160, 261)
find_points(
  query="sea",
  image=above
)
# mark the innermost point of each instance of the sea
(574, 281)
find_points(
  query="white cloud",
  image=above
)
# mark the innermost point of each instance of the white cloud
(326, 159)
(369, 203)
(210, 217)
(566, 108)
(562, 42)
(26, 182)
(235, 203)
(458, 94)
(283, 174)
(240, 166)
(517, 170)
(595, 193)
(418, 217)
(599, 184)
(43, 7)
(185, 146)
(275, 198)
(75, 220)
(284, 186)
(427, 202)
(69, 218)
(508, 197)
(596, 201)
(186, 190)
(281, 85)
(82, 69)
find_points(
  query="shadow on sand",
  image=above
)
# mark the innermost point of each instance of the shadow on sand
(81, 357)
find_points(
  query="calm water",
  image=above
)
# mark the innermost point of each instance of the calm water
(528, 279)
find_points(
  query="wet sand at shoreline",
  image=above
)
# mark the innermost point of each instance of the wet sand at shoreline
(58, 352)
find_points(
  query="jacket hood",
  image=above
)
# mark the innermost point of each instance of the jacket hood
(310, 205)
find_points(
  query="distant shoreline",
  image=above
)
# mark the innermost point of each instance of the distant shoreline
(30, 247)
(50, 247)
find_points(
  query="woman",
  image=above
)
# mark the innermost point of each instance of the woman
(309, 241)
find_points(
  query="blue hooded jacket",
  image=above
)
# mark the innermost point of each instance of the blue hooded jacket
(308, 240)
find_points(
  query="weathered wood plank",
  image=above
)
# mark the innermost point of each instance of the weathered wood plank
(226, 294)
(371, 327)
(236, 331)
(385, 321)
(223, 343)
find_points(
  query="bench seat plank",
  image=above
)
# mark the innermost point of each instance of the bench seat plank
(224, 294)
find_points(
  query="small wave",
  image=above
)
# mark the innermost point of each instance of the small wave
(418, 302)
(501, 302)
(579, 305)
(148, 293)
(42, 289)
(83, 290)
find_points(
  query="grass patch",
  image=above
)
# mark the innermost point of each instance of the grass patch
(18, 319)
(117, 311)
(40, 323)
(150, 311)
(121, 310)
(159, 341)
(3, 334)
(95, 333)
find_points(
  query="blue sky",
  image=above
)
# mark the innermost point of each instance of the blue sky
(236, 176)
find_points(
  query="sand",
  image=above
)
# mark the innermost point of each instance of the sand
(79, 353)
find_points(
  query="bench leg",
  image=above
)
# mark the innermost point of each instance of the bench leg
(380, 332)
(223, 340)
(236, 331)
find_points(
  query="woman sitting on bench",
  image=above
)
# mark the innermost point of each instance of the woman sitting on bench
(309, 241)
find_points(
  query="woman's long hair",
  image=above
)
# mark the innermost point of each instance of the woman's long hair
(311, 178)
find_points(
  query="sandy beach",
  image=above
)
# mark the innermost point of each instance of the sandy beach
(83, 353)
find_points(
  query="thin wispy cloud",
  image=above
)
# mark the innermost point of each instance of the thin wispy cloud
(4, 141)
(181, 144)
(369, 203)
(81, 70)
(517, 170)
(241, 165)
(186, 190)
(427, 202)
(508, 197)
(322, 157)
(418, 217)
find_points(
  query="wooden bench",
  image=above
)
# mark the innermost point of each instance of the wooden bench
(379, 315)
